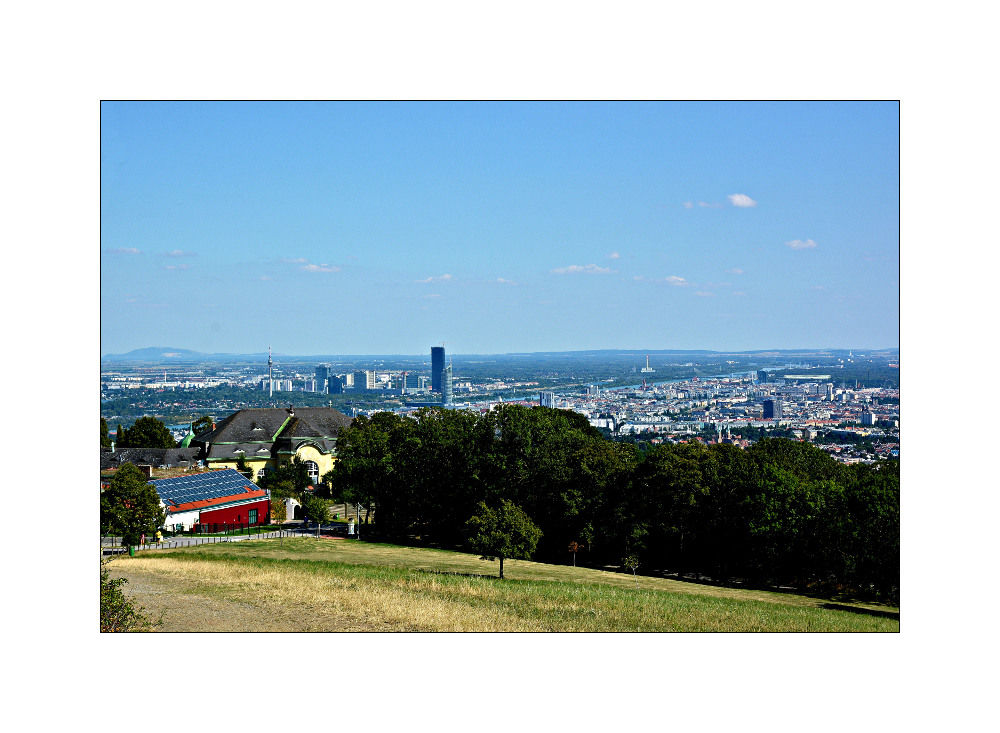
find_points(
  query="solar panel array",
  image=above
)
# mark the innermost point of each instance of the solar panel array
(201, 486)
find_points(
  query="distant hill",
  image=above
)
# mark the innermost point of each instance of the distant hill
(169, 353)
(161, 354)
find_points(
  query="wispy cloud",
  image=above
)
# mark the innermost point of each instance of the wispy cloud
(706, 205)
(431, 295)
(294, 260)
(734, 271)
(126, 251)
(505, 281)
(741, 200)
(177, 267)
(674, 280)
(739, 292)
(320, 268)
(688, 205)
(586, 269)
(801, 244)
(266, 277)
(179, 253)
(614, 256)
(817, 287)
(432, 279)
(705, 294)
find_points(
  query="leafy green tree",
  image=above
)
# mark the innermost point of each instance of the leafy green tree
(105, 438)
(632, 563)
(290, 478)
(316, 509)
(503, 532)
(130, 506)
(146, 432)
(279, 511)
(201, 425)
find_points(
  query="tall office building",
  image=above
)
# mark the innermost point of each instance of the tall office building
(547, 399)
(446, 385)
(364, 381)
(437, 367)
(761, 376)
(322, 374)
(334, 385)
(772, 409)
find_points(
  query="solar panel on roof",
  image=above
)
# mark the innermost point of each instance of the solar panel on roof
(199, 487)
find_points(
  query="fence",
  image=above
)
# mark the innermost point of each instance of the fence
(195, 540)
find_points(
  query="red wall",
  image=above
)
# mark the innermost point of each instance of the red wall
(237, 514)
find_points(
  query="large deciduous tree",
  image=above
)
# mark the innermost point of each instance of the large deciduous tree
(502, 532)
(146, 432)
(130, 506)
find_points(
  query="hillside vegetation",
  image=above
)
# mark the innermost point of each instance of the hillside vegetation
(305, 584)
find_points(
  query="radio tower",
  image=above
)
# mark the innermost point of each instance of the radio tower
(270, 381)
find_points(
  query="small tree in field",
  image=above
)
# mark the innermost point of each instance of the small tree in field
(502, 532)
(632, 562)
(575, 547)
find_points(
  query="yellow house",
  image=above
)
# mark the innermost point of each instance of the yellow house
(270, 436)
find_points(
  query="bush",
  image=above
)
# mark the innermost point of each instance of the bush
(118, 611)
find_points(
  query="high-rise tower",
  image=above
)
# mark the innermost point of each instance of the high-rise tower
(270, 378)
(437, 367)
(446, 393)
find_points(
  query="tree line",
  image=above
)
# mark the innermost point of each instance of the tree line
(779, 513)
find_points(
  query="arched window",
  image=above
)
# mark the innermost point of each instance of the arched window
(313, 470)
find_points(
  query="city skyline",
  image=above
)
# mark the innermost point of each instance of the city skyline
(379, 228)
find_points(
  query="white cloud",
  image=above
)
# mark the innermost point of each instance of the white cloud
(126, 251)
(614, 256)
(321, 268)
(179, 253)
(734, 271)
(505, 281)
(741, 200)
(177, 267)
(799, 244)
(706, 205)
(266, 277)
(431, 279)
(740, 292)
(688, 205)
(674, 280)
(705, 294)
(294, 260)
(432, 295)
(817, 287)
(588, 269)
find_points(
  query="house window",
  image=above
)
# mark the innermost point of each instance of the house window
(253, 516)
(264, 471)
(313, 470)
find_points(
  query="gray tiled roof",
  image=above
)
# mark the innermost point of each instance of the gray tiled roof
(258, 432)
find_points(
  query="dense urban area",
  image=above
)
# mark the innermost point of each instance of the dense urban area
(845, 402)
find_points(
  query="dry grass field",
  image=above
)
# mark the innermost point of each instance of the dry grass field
(305, 584)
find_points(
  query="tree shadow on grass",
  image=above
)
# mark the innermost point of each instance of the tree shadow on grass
(864, 611)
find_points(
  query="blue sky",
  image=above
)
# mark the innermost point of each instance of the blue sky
(361, 228)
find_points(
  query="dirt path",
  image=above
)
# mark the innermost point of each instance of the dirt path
(178, 611)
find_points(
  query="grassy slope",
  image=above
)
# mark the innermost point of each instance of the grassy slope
(327, 585)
